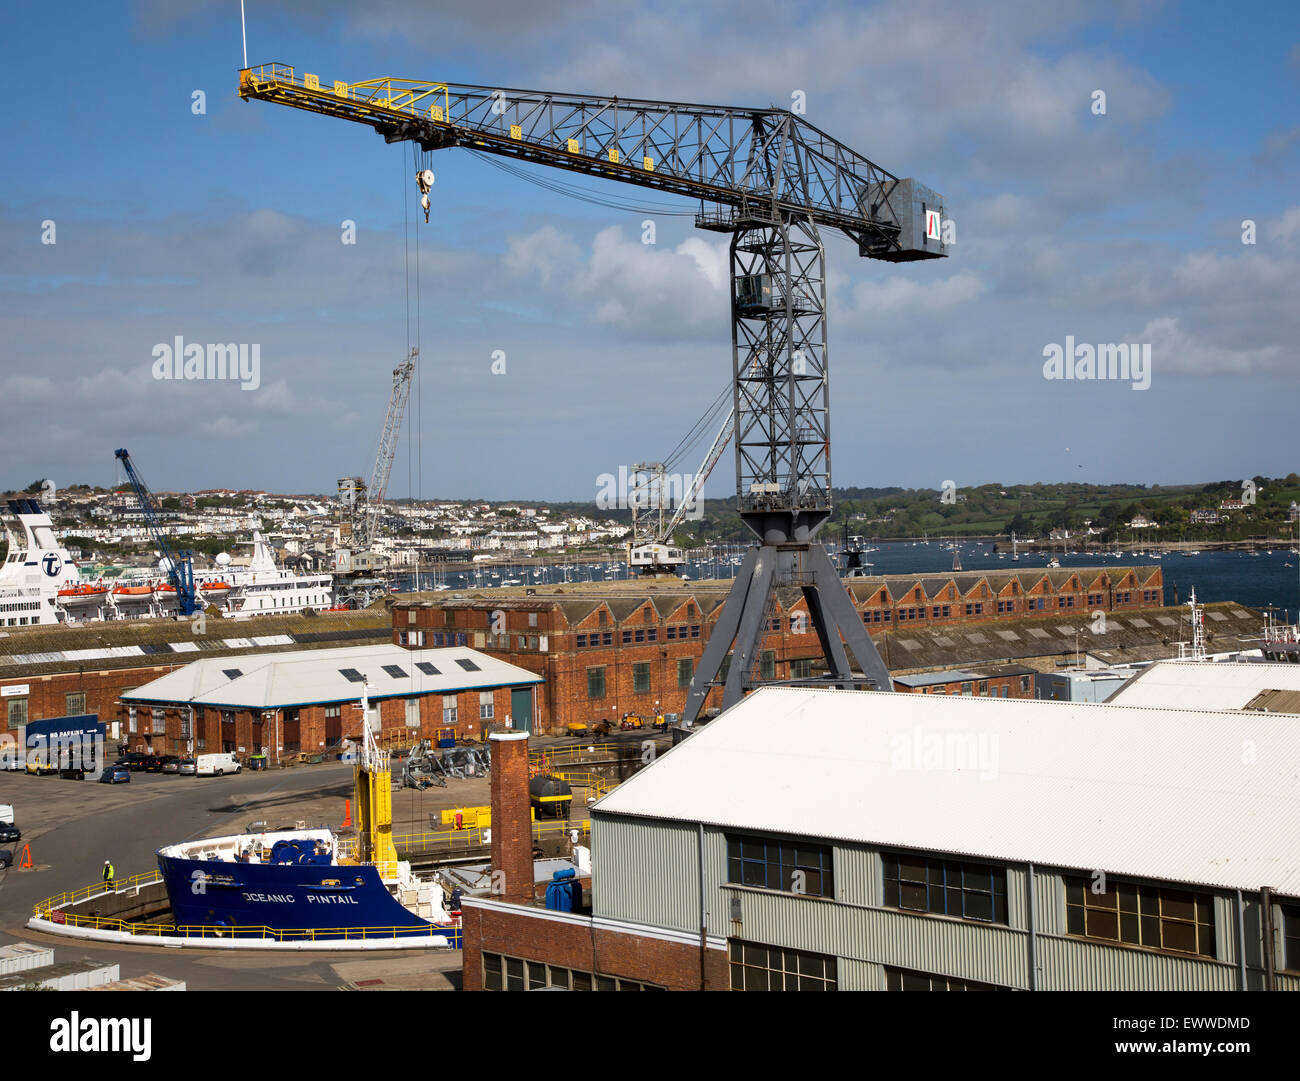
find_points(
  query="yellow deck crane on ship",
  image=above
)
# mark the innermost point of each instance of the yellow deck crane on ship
(768, 178)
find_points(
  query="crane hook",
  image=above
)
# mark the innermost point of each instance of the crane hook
(424, 180)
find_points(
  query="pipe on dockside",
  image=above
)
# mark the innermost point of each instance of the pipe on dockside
(704, 914)
(1241, 943)
(1033, 932)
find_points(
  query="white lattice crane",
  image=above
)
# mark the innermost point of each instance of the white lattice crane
(365, 502)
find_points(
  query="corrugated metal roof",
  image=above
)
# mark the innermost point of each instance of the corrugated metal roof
(276, 680)
(1159, 793)
(1206, 685)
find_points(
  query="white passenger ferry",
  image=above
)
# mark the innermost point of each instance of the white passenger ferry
(40, 583)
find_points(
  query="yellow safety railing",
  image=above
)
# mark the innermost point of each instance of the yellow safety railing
(411, 97)
(458, 840)
(278, 934)
(571, 755)
(585, 779)
(72, 897)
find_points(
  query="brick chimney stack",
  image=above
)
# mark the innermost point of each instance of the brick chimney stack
(512, 824)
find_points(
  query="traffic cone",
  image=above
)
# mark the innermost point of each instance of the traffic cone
(347, 814)
(27, 858)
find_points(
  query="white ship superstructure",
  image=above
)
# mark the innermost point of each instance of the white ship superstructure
(35, 569)
(41, 584)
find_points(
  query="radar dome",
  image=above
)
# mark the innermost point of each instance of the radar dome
(165, 565)
(223, 559)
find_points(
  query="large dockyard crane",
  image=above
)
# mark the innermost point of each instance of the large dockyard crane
(179, 565)
(772, 181)
(364, 503)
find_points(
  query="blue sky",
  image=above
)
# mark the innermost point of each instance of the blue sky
(226, 227)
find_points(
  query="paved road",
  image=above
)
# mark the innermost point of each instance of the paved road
(74, 826)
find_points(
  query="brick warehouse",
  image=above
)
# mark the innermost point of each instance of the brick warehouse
(306, 702)
(632, 646)
(62, 670)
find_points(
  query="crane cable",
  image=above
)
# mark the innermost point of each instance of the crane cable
(574, 192)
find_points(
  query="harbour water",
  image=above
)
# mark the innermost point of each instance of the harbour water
(1256, 581)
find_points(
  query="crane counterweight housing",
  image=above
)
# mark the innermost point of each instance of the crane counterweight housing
(916, 210)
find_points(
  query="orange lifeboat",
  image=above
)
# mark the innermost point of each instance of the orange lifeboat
(129, 592)
(82, 593)
(215, 589)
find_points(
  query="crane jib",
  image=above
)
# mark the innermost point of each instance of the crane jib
(759, 163)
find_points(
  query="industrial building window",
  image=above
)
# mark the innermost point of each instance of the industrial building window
(685, 670)
(17, 712)
(767, 664)
(792, 866)
(396, 671)
(801, 669)
(159, 719)
(984, 687)
(604, 617)
(695, 630)
(515, 974)
(227, 716)
(449, 712)
(486, 708)
(352, 675)
(467, 664)
(186, 730)
(1165, 919)
(532, 619)
(672, 634)
(410, 616)
(448, 619)
(333, 711)
(427, 668)
(641, 678)
(74, 703)
(596, 682)
(973, 891)
(1024, 684)
(1291, 938)
(627, 638)
(649, 615)
(769, 968)
(903, 979)
(231, 673)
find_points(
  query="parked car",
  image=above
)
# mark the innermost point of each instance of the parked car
(187, 767)
(115, 775)
(6, 858)
(37, 768)
(169, 762)
(134, 761)
(10, 834)
(73, 773)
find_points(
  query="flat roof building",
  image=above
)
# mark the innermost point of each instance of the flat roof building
(904, 841)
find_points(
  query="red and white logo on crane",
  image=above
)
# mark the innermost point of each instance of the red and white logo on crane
(933, 223)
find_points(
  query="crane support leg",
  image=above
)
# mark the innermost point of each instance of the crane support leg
(782, 446)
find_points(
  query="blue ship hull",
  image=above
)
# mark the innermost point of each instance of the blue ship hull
(294, 901)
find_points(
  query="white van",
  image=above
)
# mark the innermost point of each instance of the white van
(6, 814)
(214, 765)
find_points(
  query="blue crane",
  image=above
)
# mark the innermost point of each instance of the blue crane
(179, 565)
